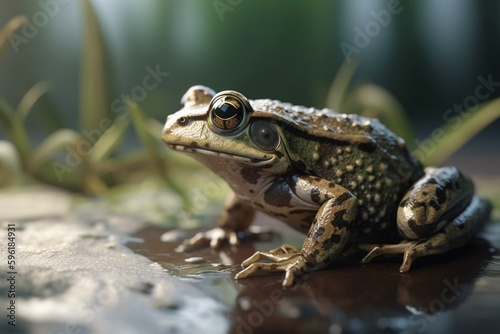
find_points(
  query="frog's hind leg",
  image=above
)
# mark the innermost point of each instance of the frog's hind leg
(452, 236)
(438, 214)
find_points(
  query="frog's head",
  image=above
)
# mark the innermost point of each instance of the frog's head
(224, 132)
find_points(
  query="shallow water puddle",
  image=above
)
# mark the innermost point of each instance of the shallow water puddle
(457, 292)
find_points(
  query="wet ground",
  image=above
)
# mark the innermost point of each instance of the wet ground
(454, 293)
(92, 271)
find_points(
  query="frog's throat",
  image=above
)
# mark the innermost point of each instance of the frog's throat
(230, 156)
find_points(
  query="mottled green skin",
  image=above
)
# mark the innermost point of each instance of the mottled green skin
(358, 153)
(341, 179)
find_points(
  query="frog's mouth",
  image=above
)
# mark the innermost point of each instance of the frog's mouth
(230, 156)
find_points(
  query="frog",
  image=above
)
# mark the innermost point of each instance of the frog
(343, 180)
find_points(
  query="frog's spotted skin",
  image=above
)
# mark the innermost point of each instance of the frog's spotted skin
(338, 178)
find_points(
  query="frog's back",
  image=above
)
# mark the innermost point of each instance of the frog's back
(358, 153)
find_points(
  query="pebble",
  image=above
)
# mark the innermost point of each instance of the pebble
(195, 259)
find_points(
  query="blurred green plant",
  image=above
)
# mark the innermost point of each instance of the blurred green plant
(376, 102)
(101, 167)
(67, 158)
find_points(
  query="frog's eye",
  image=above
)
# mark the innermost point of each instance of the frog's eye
(228, 112)
(264, 135)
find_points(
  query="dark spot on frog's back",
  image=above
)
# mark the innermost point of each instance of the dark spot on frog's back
(250, 175)
(278, 194)
(367, 147)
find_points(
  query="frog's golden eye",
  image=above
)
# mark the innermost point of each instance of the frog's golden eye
(265, 135)
(228, 112)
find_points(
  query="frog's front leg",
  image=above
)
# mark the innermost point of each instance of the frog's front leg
(236, 216)
(438, 214)
(327, 235)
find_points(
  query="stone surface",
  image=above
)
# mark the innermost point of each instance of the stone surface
(73, 275)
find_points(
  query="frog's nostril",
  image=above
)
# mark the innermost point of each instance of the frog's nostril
(182, 121)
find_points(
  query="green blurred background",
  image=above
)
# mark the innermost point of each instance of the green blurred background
(429, 54)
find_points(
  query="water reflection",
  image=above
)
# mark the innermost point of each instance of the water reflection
(348, 297)
(353, 298)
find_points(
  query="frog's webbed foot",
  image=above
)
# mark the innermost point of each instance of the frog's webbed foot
(285, 258)
(214, 238)
(410, 248)
(453, 235)
(439, 213)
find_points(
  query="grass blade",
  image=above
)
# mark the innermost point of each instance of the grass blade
(337, 92)
(9, 28)
(376, 102)
(141, 128)
(152, 144)
(31, 97)
(53, 143)
(109, 140)
(94, 100)
(10, 165)
(74, 173)
(455, 136)
(16, 130)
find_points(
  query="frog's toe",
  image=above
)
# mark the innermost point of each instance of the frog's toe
(214, 238)
(285, 249)
(193, 243)
(257, 256)
(379, 250)
(277, 255)
(222, 235)
(291, 263)
(411, 250)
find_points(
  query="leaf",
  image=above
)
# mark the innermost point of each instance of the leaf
(9, 28)
(72, 179)
(68, 173)
(74, 172)
(47, 148)
(455, 134)
(15, 129)
(337, 92)
(31, 97)
(141, 127)
(10, 165)
(152, 143)
(109, 140)
(94, 99)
